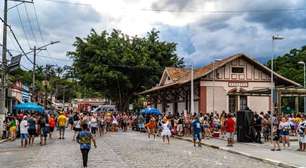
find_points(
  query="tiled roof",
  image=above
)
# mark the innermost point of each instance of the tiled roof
(177, 73)
(182, 75)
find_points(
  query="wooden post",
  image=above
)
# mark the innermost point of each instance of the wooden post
(296, 104)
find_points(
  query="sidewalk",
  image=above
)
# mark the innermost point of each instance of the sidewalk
(3, 140)
(289, 158)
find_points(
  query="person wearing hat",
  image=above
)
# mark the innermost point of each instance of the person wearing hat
(24, 132)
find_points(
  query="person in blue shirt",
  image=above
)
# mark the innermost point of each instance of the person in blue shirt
(84, 138)
(197, 129)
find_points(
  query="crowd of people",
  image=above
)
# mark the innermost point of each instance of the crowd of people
(30, 125)
(199, 126)
(86, 126)
(223, 126)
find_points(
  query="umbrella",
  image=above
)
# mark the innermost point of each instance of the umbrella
(151, 111)
(29, 106)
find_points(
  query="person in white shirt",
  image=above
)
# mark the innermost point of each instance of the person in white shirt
(24, 132)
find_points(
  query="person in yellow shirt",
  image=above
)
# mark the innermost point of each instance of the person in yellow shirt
(61, 121)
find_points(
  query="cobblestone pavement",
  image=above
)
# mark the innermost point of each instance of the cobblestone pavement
(122, 150)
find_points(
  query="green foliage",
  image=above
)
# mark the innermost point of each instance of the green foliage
(287, 65)
(58, 77)
(119, 66)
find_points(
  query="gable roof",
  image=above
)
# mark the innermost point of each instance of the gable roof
(174, 74)
(182, 75)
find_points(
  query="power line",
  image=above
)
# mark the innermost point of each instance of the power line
(39, 27)
(25, 67)
(30, 24)
(11, 30)
(12, 41)
(23, 28)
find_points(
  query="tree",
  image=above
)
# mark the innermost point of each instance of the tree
(120, 66)
(287, 65)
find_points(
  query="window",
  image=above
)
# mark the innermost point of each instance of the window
(237, 70)
(243, 102)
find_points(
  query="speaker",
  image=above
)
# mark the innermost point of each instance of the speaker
(244, 123)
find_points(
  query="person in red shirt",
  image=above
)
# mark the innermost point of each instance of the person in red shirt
(230, 129)
(51, 125)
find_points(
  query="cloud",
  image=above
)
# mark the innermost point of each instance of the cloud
(58, 22)
(203, 29)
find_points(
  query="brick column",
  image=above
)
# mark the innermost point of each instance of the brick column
(203, 100)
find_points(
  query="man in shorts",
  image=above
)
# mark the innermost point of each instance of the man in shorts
(197, 129)
(230, 130)
(61, 120)
(44, 128)
(31, 129)
(24, 132)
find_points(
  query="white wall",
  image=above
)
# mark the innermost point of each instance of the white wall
(180, 107)
(220, 99)
(258, 103)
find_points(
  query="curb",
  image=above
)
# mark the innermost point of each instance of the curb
(269, 161)
(2, 141)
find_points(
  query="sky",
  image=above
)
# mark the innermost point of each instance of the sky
(204, 30)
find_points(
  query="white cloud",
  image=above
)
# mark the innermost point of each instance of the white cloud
(200, 28)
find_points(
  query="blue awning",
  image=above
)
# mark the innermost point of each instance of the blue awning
(29, 106)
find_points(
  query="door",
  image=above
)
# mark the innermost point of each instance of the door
(233, 103)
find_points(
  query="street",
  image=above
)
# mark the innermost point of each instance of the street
(120, 150)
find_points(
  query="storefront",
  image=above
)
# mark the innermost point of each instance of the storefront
(216, 87)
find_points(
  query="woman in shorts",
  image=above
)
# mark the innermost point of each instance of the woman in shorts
(284, 127)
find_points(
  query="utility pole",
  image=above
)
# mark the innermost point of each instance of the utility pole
(4, 60)
(4, 63)
(33, 74)
(35, 50)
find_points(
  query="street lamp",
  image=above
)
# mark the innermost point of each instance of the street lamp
(274, 38)
(191, 89)
(303, 63)
(192, 92)
(216, 60)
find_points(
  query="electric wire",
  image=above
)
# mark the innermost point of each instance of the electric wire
(30, 23)
(39, 27)
(23, 27)
(12, 32)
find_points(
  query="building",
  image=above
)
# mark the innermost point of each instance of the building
(17, 93)
(218, 86)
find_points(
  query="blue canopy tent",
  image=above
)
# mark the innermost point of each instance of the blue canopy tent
(29, 106)
(150, 111)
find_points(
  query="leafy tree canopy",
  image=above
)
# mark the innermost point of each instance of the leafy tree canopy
(119, 66)
(287, 65)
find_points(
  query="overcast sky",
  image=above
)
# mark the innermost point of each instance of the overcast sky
(203, 29)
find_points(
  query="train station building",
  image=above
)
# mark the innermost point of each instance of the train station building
(226, 85)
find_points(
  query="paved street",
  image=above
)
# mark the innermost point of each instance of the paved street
(121, 150)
